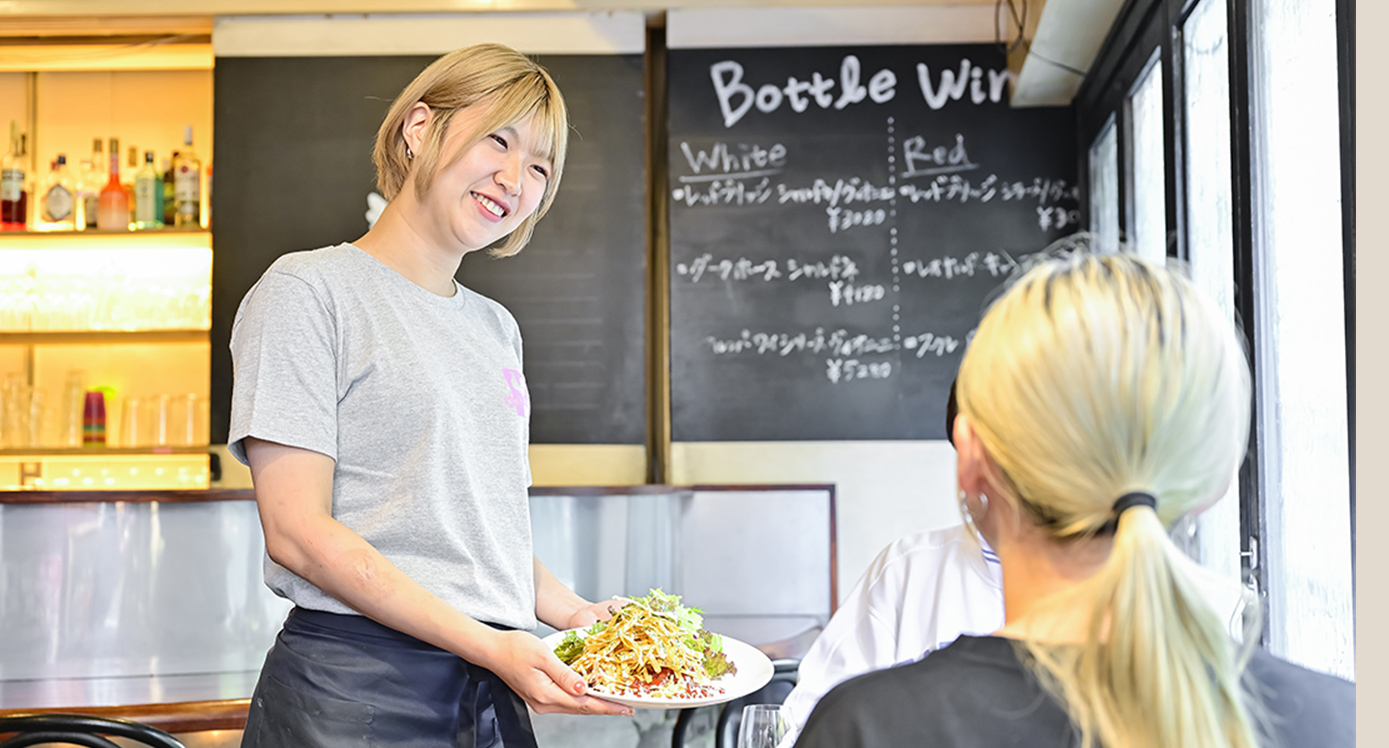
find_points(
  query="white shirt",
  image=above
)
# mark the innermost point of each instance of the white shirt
(921, 593)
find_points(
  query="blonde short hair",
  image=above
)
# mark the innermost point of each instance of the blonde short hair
(513, 88)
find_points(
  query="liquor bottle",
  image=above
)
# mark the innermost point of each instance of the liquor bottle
(79, 199)
(57, 199)
(14, 193)
(113, 208)
(132, 165)
(188, 184)
(169, 202)
(92, 180)
(149, 195)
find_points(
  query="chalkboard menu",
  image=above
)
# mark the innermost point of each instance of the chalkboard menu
(293, 171)
(837, 218)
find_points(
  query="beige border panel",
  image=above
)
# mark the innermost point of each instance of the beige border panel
(809, 27)
(551, 465)
(144, 55)
(588, 464)
(532, 33)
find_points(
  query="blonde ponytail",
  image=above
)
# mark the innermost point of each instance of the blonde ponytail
(1092, 378)
(1158, 667)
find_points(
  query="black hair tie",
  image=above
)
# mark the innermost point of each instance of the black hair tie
(1135, 498)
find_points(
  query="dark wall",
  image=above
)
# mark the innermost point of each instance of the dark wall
(293, 171)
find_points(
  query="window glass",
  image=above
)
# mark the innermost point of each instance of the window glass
(1104, 189)
(1147, 182)
(1210, 240)
(1304, 466)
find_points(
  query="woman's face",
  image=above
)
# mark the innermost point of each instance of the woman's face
(494, 186)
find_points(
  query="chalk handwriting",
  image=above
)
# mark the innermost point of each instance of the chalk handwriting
(849, 294)
(731, 191)
(820, 192)
(1057, 217)
(844, 351)
(928, 342)
(995, 264)
(953, 187)
(922, 161)
(737, 97)
(840, 370)
(952, 85)
(840, 218)
(837, 268)
(741, 160)
(839, 342)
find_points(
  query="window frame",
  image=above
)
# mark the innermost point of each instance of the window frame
(1143, 30)
(1345, 49)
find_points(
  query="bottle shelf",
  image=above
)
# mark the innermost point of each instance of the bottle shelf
(88, 337)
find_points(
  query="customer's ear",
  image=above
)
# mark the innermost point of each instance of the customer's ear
(971, 459)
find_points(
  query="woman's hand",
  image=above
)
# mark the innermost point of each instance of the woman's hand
(593, 612)
(538, 676)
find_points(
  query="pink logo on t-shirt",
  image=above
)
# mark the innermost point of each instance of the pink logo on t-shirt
(519, 398)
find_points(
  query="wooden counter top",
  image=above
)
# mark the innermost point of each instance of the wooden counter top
(173, 703)
(80, 497)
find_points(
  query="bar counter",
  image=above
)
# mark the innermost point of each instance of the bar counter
(109, 497)
(150, 605)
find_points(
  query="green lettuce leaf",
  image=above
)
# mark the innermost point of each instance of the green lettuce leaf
(570, 649)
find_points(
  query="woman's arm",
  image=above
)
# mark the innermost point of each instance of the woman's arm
(294, 493)
(558, 607)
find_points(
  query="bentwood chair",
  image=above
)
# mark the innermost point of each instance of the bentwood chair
(80, 729)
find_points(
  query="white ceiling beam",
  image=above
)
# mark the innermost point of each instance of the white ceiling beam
(1068, 34)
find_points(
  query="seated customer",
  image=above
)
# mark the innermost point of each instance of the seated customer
(919, 594)
(1101, 399)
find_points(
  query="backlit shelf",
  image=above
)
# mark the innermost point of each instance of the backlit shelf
(170, 237)
(90, 337)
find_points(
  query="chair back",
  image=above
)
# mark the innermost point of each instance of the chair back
(775, 692)
(80, 729)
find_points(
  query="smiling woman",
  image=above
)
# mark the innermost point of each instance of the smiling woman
(383, 410)
(479, 189)
(493, 91)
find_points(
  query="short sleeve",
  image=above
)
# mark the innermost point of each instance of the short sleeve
(285, 371)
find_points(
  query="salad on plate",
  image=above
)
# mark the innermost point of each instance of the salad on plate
(652, 647)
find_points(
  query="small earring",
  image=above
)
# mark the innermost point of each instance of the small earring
(408, 153)
(983, 503)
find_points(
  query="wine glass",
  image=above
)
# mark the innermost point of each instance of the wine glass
(763, 726)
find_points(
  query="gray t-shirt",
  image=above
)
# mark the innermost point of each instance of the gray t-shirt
(419, 400)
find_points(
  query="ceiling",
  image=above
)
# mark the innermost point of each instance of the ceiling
(1060, 37)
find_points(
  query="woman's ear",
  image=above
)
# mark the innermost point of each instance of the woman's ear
(416, 126)
(969, 457)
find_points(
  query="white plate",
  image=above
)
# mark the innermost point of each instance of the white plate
(754, 671)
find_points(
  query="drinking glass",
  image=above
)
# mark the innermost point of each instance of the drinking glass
(135, 429)
(160, 406)
(763, 726)
(74, 397)
(18, 402)
(188, 422)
